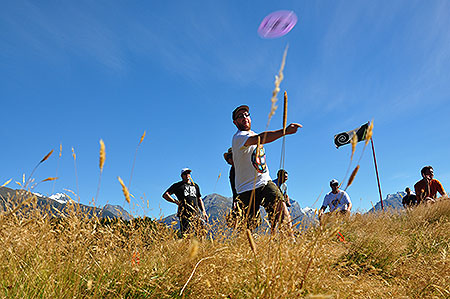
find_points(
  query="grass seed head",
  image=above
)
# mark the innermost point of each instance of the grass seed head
(142, 137)
(276, 90)
(89, 284)
(50, 179)
(369, 132)
(251, 241)
(352, 176)
(6, 183)
(125, 191)
(285, 112)
(193, 249)
(354, 141)
(46, 156)
(102, 154)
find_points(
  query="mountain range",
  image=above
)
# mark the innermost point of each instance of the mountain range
(216, 207)
(57, 204)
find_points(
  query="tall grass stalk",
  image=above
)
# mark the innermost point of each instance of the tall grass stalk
(57, 166)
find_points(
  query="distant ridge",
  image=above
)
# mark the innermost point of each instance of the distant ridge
(392, 201)
(217, 206)
(57, 203)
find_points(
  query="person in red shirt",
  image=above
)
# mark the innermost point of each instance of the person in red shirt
(427, 188)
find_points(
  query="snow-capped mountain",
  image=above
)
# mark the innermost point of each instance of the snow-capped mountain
(61, 198)
(58, 204)
(392, 201)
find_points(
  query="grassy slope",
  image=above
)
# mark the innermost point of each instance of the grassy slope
(385, 256)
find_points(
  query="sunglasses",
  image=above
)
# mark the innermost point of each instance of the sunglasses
(243, 115)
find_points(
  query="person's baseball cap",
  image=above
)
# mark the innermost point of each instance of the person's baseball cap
(227, 155)
(242, 107)
(185, 170)
(334, 182)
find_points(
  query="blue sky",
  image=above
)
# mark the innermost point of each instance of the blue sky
(75, 72)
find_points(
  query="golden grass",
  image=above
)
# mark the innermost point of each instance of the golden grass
(134, 158)
(50, 179)
(102, 155)
(369, 132)
(57, 166)
(276, 90)
(285, 106)
(46, 156)
(30, 178)
(7, 182)
(352, 176)
(76, 174)
(125, 191)
(385, 255)
(102, 158)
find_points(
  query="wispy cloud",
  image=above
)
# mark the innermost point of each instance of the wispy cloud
(200, 46)
(60, 31)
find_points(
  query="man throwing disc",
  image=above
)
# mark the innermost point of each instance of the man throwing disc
(251, 169)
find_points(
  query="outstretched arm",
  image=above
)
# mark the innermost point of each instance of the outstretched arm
(271, 136)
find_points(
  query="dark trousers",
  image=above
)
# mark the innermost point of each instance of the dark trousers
(267, 196)
(191, 224)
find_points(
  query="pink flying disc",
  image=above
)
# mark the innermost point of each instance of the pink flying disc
(277, 24)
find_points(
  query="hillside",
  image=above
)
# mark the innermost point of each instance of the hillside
(55, 205)
(374, 255)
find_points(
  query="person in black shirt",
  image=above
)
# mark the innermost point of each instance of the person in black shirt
(190, 204)
(409, 199)
(228, 156)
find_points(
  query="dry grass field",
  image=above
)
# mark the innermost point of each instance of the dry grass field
(384, 255)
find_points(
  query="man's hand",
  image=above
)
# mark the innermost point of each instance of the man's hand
(205, 216)
(292, 128)
(169, 198)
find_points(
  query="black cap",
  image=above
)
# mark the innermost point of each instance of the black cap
(242, 107)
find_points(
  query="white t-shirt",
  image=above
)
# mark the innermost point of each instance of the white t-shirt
(340, 201)
(247, 164)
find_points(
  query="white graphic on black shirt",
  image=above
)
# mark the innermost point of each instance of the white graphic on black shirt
(190, 191)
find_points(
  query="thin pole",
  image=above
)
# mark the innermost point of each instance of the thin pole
(376, 170)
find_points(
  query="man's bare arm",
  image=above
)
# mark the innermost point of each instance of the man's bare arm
(271, 136)
(202, 208)
(349, 207)
(169, 198)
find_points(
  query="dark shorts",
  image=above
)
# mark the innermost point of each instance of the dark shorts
(191, 224)
(267, 196)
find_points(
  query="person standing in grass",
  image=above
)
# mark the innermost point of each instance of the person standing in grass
(409, 200)
(252, 173)
(337, 200)
(228, 156)
(427, 188)
(283, 215)
(191, 209)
